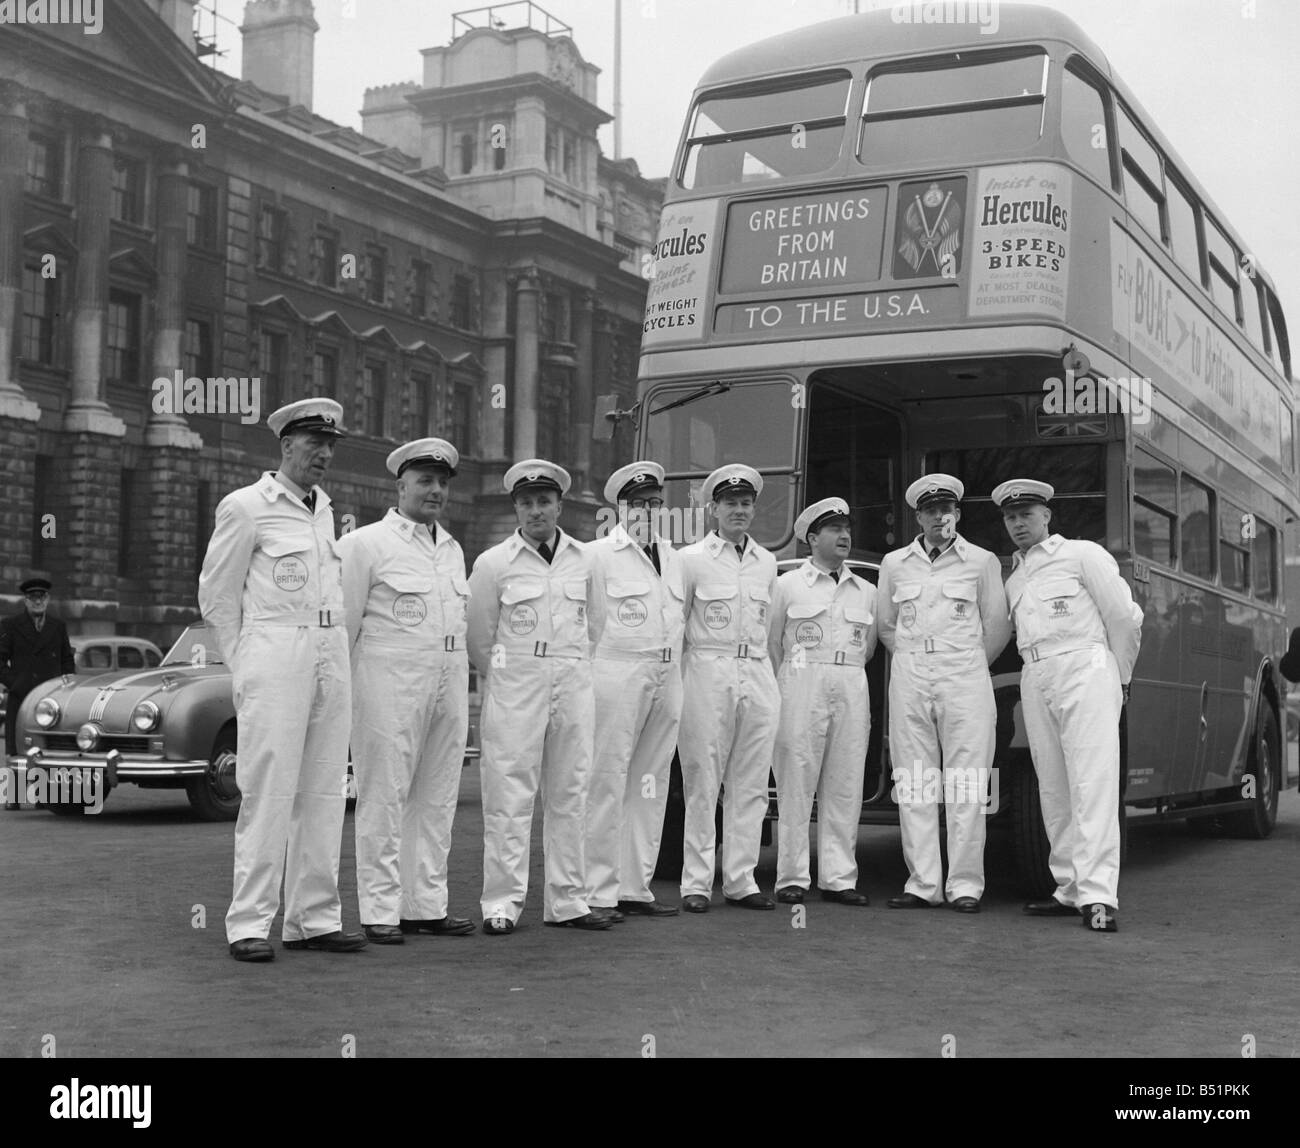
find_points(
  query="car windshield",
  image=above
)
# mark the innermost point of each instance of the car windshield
(197, 646)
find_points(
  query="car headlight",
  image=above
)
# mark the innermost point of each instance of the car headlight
(88, 737)
(48, 713)
(145, 717)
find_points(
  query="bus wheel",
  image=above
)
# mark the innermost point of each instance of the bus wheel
(1265, 767)
(1028, 837)
(669, 865)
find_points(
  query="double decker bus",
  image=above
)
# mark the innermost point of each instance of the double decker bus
(891, 248)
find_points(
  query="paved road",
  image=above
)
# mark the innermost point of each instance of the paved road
(102, 953)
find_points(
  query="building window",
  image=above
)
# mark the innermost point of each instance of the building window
(557, 317)
(325, 374)
(45, 165)
(325, 257)
(201, 217)
(374, 384)
(40, 304)
(419, 288)
(128, 190)
(552, 149)
(421, 387)
(123, 337)
(462, 287)
(376, 274)
(462, 418)
(465, 152)
(42, 484)
(270, 368)
(198, 349)
(270, 237)
(125, 521)
(570, 158)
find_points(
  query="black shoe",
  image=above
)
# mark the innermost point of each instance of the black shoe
(646, 909)
(695, 903)
(252, 949)
(965, 905)
(384, 934)
(335, 942)
(498, 926)
(438, 926)
(1050, 908)
(586, 921)
(613, 916)
(751, 901)
(845, 896)
(1100, 918)
(790, 895)
(908, 901)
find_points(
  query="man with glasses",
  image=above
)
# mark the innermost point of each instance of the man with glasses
(34, 647)
(638, 615)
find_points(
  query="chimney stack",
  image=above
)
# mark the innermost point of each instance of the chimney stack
(178, 15)
(279, 47)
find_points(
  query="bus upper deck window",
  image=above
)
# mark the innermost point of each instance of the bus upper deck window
(980, 104)
(1083, 126)
(754, 134)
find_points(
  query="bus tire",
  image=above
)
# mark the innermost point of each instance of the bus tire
(1028, 837)
(1264, 765)
(668, 867)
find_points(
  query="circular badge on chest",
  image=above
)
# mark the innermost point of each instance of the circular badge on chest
(717, 615)
(409, 609)
(808, 634)
(290, 573)
(632, 612)
(523, 619)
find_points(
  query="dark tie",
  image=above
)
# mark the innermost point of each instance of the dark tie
(433, 532)
(835, 574)
(546, 552)
(935, 553)
(309, 501)
(653, 551)
(740, 551)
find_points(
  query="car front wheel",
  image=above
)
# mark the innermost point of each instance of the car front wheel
(215, 796)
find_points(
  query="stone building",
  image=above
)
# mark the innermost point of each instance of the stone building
(468, 265)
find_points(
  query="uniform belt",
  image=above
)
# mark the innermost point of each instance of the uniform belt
(744, 650)
(405, 641)
(931, 646)
(659, 654)
(1040, 650)
(839, 658)
(546, 650)
(322, 618)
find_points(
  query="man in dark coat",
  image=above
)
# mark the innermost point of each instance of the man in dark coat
(34, 647)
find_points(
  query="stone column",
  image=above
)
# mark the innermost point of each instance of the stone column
(583, 307)
(526, 364)
(87, 410)
(14, 100)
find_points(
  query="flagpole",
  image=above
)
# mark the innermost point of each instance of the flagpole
(618, 79)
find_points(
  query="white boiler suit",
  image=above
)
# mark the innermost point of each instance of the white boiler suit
(637, 620)
(823, 635)
(528, 636)
(271, 590)
(944, 622)
(1078, 630)
(406, 598)
(730, 710)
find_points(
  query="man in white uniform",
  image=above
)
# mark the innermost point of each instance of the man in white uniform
(406, 595)
(823, 635)
(731, 705)
(943, 615)
(271, 590)
(529, 638)
(637, 620)
(1078, 631)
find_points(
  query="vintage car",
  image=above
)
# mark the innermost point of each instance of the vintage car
(171, 727)
(110, 652)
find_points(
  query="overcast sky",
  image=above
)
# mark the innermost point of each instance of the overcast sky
(1220, 77)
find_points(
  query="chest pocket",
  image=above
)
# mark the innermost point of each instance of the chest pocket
(409, 587)
(627, 602)
(760, 598)
(858, 621)
(1060, 598)
(576, 593)
(810, 621)
(959, 597)
(291, 561)
(716, 612)
(519, 602)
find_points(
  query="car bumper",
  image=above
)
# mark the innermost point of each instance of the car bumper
(116, 765)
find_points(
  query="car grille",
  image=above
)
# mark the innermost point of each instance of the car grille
(67, 743)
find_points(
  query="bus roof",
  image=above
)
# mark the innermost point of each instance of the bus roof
(851, 39)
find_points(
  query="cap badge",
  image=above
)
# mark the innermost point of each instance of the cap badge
(640, 476)
(735, 480)
(1014, 492)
